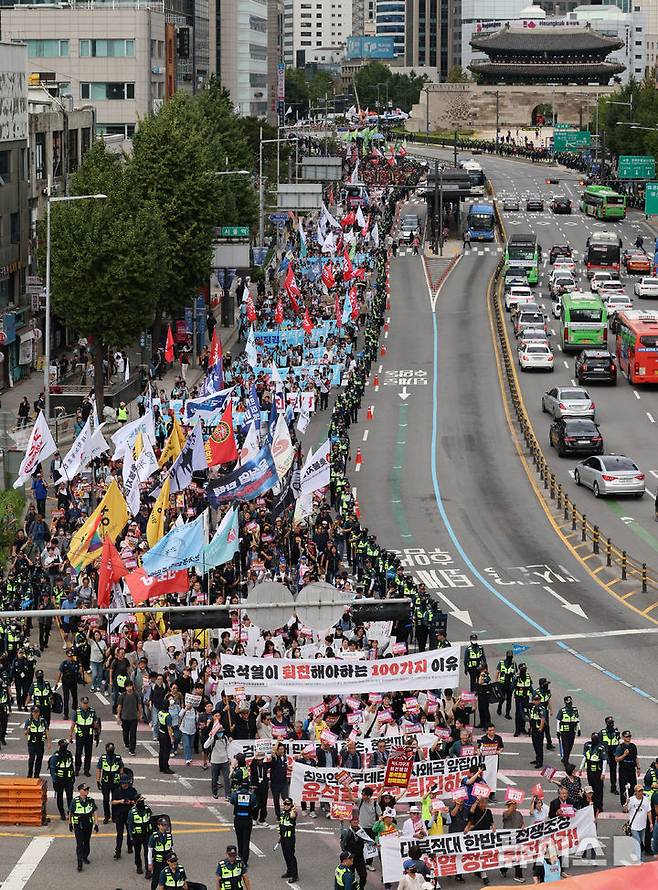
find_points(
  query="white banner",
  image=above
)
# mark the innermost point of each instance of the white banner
(316, 471)
(40, 446)
(482, 851)
(294, 747)
(77, 455)
(442, 777)
(436, 669)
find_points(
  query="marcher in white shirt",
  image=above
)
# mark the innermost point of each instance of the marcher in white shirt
(638, 809)
(414, 826)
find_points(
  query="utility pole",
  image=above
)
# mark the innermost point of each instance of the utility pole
(437, 223)
(455, 147)
(261, 193)
(441, 212)
(497, 119)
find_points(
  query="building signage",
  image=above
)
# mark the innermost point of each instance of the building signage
(361, 47)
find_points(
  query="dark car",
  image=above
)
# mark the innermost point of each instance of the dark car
(575, 435)
(561, 204)
(558, 250)
(510, 204)
(596, 365)
(534, 204)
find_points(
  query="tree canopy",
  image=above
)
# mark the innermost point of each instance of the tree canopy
(614, 119)
(376, 83)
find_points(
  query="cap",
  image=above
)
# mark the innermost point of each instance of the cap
(162, 820)
(588, 789)
(389, 811)
(408, 863)
(83, 787)
(231, 848)
(568, 700)
(414, 809)
(171, 856)
(345, 855)
(473, 637)
(626, 733)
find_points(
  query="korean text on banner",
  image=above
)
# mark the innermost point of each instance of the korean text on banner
(438, 668)
(482, 851)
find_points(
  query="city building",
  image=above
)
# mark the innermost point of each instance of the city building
(389, 22)
(242, 62)
(432, 34)
(563, 55)
(14, 223)
(110, 57)
(315, 30)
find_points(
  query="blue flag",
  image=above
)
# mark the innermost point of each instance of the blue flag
(519, 648)
(271, 423)
(246, 482)
(253, 409)
(225, 542)
(179, 549)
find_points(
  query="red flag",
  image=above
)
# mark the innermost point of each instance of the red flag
(354, 302)
(142, 586)
(110, 570)
(216, 352)
(347, 266)
(330, 196)
(360, 274)
(251, 309)
(364, 230)
(337, 311)
(402, 151)
(348, 220)
(169, 348)
(221, 447)
(328, 276)
(278, 312)
(307, 324)
(292, 289)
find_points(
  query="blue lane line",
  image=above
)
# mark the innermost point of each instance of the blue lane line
(612, 676)
(455, 540)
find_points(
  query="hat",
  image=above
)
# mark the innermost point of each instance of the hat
(259, 755)
(408, 863)
(171, 856)
(389, 811)
(231, 848)
(243, 706)
(163, 820)
(83, 787)
(588, 789)
(414, 809)
(626, 732)
(345, 855)
(568, 700)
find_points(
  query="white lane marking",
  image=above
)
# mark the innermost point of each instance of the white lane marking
(636, 394)
(572, 474)
(560, 348)
(101, 698)
(654, 474)
(256, 850)
(365, 435)
(150, 748)
(28, 863)
(184, 782)
(566, 364)
(506, 779)
(651, 417)
(379, 370)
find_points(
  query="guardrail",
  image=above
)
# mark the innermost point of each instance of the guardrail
(622, 565)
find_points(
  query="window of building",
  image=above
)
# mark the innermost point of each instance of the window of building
(306, 43)
(256, 23)
(47, 49)
(72, 159)
(306, 33)
(40, 170)
(85, 141)
(125, 130)
(257, 52)
(57, 153)
(638, 43)
(154, 45)
(15, 228)
(107, 90)
(638, 56)
(110, 49)
(160, 48)
(5, 167)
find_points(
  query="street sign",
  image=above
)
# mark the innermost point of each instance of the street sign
(651, 199)
(636, 167)
(234, 231)
(279, 218)
(564, 127)
(571, 140)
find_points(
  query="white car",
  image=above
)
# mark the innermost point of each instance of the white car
(536, 356)
(616, 303)
(598, 278)
(607, 288)
(516, 296)
(646, 287)
(564, 264)
(556, 305)
(562, 284)
(531, 335)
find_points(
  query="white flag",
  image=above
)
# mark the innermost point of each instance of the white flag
(77, 456)
(126, 435)
(126, 373)
(131, 482)
(354, 178)
(282, 449)
(360, 218)
(251, 445)
(40, 446)
(316, 471)
(97, 446)
(327, 217)
(303, 420)
(303, 507)
(250, 348)
(374, 234)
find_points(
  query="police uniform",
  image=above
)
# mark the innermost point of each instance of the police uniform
(164, 740)
(62, 773)
(37, 732)
(139, 829)
(82, 821)
(568, 724)
(536, 718)
(110, 770)
(287, 823)
(610, 738)
(172, 879)
(42, 698)
(345, 878)
(595, 756)
(4, 712)
(627, 769)
(244, 803)
(120, 814)
(160, 843)
(231, 875)
(506, 674)
(473, 662)
(522, 692)
(84, 722)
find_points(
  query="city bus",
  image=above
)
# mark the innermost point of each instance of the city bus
(637, 345)
(603, 202)
(524, 254)
(583, 321)
(480, 222)
(603, 253)
(476, 176)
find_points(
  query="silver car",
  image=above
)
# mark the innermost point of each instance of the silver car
(568, 401)
(610, 474)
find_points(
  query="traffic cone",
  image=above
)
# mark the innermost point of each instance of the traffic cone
(370, 413)
(358, 460)
(386, 326)
(388, 301)
(375, 382)
(382, 351)
(357, 509)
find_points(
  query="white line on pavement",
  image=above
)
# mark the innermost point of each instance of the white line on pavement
(28, 863)
(651, 418)
(636, 394)
(506, 779)
(566, 364)
(101, 698)
(365, 435)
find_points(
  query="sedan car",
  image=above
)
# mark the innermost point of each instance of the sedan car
(514, 280)
(568, 401)
(531, 335)
(598, 278)
(559, 250)
(534, 204)
(511, 204)
(529, 318)
(575, 435)
(518, 296)
(610, 474)
(564, 264)
(637, 261)
(561, 204)
(616, 303)
(646, 287)
(408, 226)
(608, 288)
(562, 284)
(536, 356)
(595, 365)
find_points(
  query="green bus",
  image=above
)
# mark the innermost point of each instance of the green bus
(603, 202)
(523, 255)
(583, 322)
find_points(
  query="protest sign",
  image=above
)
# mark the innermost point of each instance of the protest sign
(398, 769)
(515, 795)
(341, 811)
(481, 790)
(191, 700)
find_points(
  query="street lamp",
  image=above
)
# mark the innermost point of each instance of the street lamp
(50, 199)
(232, 173)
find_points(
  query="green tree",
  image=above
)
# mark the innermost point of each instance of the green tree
(614, 119)
(322, 85)
(458, 75)
(376, 82)
(297, 91)
(107, 258)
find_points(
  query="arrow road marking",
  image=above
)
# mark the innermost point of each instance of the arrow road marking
(572, 607)
(429, 580)
(404, 394)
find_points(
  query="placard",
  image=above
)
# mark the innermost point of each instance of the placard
(398, 770)
(192, 700)
(467, 750)
(479, 789)
(547, 772)
(488, 750)
(342, 811)
(515, 795)
(329, 737)
(460, 794)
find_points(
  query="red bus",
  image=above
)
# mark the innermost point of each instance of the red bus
(637, 345)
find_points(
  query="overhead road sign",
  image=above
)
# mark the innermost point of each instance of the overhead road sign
(571, 140)
(651, 199)
(636, 167)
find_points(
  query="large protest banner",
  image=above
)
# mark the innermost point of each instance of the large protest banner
(314, 783)
(437, 669)
(480, 851)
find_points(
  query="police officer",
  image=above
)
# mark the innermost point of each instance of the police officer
(568, 726)
(160, 843)
(627, 764)
(82, 820)
(505, 675)
(123, 798)
(36, 733)
(610, 738)
(537, 721)
(62, 772)
(545, 696)
(172, 876)
(83, 725)
(42, 696)
(245, 804)
(232, 872)
(651, 777)
(108, 774)
(595, 758)
(5, 708)
(139, 830)
(345, 878)
(22, 673)
(165, 739)
(287, 823)
(522, 693)
(423, 618)
(474, 660)
(240, 774)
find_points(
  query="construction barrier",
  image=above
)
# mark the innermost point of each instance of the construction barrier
(23, 801)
